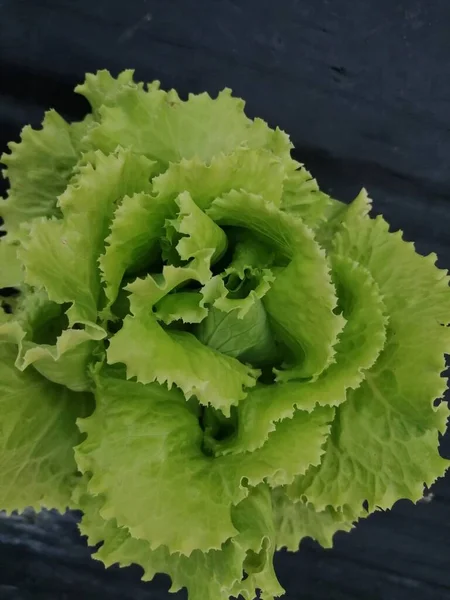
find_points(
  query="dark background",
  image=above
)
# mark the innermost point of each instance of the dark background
(363, 87)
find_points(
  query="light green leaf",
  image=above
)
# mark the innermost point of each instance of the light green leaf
(5, 317)
(66, 362)
(384, 443)
(11, 274)
(151, 353)
(101, 88)
(301, 301)
(159, 125)
(251, 255)
(256, 171)
(240, 295)
(237, 323)
(373, 460)
(254, 519)
(338, 214)
(62, 255)
(182, 306)
(133, 242)
(302, 197)
(38, 169)
(78, 131)
(154, 354)
(138, 225)
(147, 451)
(198, 231)
(294, 446)
(144, 448)
(37, 435)
(297, 520)
(61, 355)
(207, 576)
(238, 326)
(249, 338)
(358, 348)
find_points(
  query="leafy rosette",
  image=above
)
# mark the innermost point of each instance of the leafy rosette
(203, 352)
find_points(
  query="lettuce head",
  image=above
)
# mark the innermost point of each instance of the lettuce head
(199, 349)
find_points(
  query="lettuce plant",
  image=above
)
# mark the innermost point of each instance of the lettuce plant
(203, 352)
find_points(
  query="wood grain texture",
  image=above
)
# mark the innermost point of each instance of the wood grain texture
(364, 90)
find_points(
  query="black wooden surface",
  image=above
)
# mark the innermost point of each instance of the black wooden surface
(363, 87)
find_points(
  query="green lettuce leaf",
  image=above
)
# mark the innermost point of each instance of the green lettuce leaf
(256, 171)
(148, 350)
(152, 353)
(39, 331)
(37, 436)
(61, 254)
(357, 350)
(237, 323)
(298, 520)
(183, 306)
(239, 360)
(162, 464)
(196, 230)
(152, 466)
(159, 125)
(101, 88)
(302, 299)
(383, 444)
(302, 197)
(38, 168)
(11, 273)
(133, 241)
(213, 575)
(249, 338)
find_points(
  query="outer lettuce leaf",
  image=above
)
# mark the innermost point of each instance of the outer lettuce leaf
(384, 442)
(38, 168)
(159, 125)
(339, 213)
(257, 171)
(162, 464)
(78, 131)
(297, 520)
(101, 88)
(301, 301)
(147, 451)
(302, 197)
(62, 356)
(11, 274)
(358, 348)
(62, 255)
(254, 520)
(37, 435)
(289, 450)
(207, 576)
